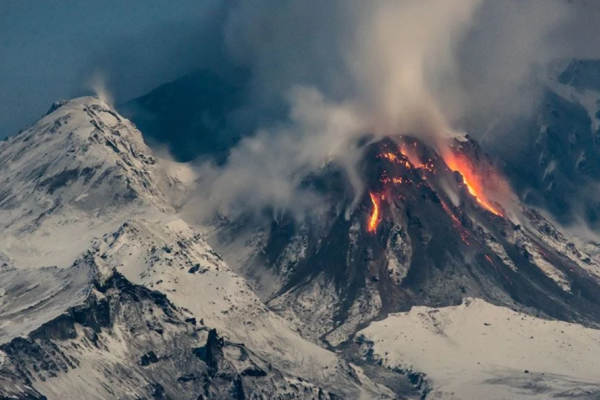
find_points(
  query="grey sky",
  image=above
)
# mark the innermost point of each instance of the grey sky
(48, 49)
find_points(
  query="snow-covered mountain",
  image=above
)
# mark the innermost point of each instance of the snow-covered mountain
(426, 290)
(106, 293)
(79, 167)
(552, 156)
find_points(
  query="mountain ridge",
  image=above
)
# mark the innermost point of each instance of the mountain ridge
(137, 239)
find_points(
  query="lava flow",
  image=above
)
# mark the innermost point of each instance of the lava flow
(471, 181)
(409, 153)
(393, 158)
(374, 219)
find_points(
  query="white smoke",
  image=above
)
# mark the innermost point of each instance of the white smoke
(97, 83)
(378, 67)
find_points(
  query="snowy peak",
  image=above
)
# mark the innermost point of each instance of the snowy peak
(82, 166)
(83, 153)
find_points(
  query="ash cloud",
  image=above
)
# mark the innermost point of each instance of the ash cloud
(345, 71)
(341, 71)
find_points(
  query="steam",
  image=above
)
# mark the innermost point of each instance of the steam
(97, 84)
(269, 168)
(348, 70)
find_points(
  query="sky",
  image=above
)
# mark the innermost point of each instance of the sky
(339, 69)
(53, 49)
(57, 49)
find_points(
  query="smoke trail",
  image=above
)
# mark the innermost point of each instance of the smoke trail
(97, 84)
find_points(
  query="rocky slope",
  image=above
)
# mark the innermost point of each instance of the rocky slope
(126, 341)
(433, 244)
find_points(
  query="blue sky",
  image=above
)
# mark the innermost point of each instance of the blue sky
(49, 49)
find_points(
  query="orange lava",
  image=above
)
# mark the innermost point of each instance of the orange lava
(471, 181)
(410, 155)
(390, 156)
(374, 219)
(394, 158)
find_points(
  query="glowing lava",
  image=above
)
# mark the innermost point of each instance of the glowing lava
(390, 156)
(393, 158)
(410, 154)
(374, 219)
(471, 181)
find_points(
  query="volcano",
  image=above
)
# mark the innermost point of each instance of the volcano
(432, 228)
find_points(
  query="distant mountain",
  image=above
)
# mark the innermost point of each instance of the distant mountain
(190, 116)
(552, 157)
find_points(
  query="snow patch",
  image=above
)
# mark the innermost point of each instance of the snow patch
(480, 351)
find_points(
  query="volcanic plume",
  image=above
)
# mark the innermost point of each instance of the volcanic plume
(373, 71)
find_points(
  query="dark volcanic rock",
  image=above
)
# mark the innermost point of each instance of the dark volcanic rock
(434, 245)
(217, 370)
(148, 358)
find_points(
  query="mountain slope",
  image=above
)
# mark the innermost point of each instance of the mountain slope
(89, 231)
(477, 350)
(172, 258)
(128, 342)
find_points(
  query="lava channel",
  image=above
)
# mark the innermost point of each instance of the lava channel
(374, 219)
(471, 181)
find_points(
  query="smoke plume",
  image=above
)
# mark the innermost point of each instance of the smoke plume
(344, 71)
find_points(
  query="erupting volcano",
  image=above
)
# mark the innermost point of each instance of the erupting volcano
(428, 234)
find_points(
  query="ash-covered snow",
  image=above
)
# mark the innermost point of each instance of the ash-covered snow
(480, 351)
(398, 255)
(536, 256)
